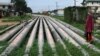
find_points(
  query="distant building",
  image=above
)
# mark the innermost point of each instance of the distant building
(94, 4)
(58, 12)
(6, 9)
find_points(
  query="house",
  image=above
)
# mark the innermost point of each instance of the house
(94, 4)
(57, 12)
(6, 9)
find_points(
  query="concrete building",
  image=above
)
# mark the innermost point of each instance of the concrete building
(58, 12)
(95, 5)
(6, 9)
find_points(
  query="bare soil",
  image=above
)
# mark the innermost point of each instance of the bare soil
(7, 23)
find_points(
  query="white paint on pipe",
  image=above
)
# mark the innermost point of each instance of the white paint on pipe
(31, 39)
(10, 33)
(50, 38)
(57, 37)
(75, 36)
(40, 38)
(15, 35)
(76, 29)
(2, 31)
(64, 34)
(17, 41)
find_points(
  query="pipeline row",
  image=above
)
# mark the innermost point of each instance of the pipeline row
(54, 31)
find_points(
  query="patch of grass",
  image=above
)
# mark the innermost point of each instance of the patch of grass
(3, 45)
(91, 52)
(34, 49)
(81, 27)
(96, 44)
(97, 34)
(3, 27)
(75, 24)
(74, 51)
(3, 48)
(47, 51)
(18, 52)
(61, 51)
(17, 18)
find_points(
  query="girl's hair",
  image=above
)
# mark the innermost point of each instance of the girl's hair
(90, 10)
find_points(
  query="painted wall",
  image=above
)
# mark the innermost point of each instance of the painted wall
(60, 12)
(93, 5)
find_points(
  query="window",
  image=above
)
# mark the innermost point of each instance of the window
(3, 6)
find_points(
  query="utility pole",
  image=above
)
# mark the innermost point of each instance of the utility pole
(56, 5)
(48, 8)
(74, 2)
(76, 11)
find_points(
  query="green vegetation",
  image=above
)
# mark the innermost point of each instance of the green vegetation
(21, 7)
(97, 33)
(3, 45)
(91, 52)
(34, 49)
(17, 18)
(70, 15)
(18, 52)
(61, 51)
(73, 50)
(3, 27)
(47, 51)
(80, 26)
(75, 24)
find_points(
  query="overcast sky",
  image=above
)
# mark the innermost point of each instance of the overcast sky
(42, 5)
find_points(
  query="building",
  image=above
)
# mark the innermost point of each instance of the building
(94, 4)
(6, 9)
(58, 12)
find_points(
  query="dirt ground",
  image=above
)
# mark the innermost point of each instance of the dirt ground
(7, 23)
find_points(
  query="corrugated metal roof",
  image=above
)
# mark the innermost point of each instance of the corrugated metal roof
(6, 3)
(92, 0)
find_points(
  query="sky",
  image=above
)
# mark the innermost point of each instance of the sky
(45, 5)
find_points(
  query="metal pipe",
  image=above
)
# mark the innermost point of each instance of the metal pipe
(40, 38)
(10, 33)
(76, 30)
(15, 36)
(8, 28)
(31, 39)
(17, 41)
(65, 36)
(75, 36)
(57, 37)
(13, 31)
(50, 38)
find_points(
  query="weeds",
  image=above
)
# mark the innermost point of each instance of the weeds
(47, 51)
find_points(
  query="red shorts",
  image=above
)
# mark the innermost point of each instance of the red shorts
(88, 36)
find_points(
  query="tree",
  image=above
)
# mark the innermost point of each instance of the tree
(20, 6)
(28, 10)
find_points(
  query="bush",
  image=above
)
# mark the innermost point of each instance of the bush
(70, 11)
(17, 18)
